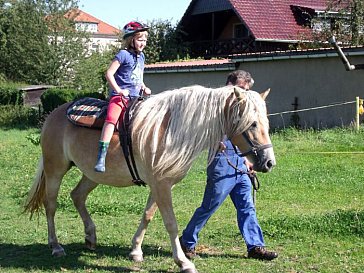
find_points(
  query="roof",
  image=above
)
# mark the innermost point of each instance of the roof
(83, 17)
(232, 62)
(195, 65)
(274, 20)
(267, 20)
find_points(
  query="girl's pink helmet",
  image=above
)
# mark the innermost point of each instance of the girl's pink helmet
(133, 27)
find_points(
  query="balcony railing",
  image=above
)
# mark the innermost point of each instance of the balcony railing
(220, 48)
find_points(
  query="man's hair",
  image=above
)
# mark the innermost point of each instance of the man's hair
(236, 75)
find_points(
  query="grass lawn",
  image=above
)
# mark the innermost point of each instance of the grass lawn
(311, 210)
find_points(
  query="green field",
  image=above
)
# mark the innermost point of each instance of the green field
(311, 210)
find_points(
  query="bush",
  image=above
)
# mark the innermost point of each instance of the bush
(2, 78)
(18, 116)
(55, 97)
(90, 72)
(10, 94)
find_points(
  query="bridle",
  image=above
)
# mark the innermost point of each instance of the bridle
(254, 149)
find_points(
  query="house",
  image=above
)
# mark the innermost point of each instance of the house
(224, 27)
(102, 35)
(310, 88)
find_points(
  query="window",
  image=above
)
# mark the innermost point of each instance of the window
(95, 47)
(240, 31)
(321, 25)
(88, 27)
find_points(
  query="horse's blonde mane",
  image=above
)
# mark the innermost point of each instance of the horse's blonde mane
(196, 121)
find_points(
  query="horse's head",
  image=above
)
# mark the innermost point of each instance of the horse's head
(251, 128)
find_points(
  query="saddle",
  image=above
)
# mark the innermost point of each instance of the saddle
(91, 113)
(88, 112)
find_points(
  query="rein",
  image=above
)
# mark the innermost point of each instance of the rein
(126, 143)
(254, 149)
(252, 175)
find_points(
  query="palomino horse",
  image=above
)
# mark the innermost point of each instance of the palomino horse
(169, 131)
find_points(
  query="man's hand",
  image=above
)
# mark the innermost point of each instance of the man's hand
(249, 166)
(222, 147)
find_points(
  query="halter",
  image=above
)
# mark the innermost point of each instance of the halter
(254, 149)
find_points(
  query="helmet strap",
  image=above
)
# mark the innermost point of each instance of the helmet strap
(132, 46)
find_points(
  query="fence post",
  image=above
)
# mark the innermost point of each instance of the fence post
(357, 113)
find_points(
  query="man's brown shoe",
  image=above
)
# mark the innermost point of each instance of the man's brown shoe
(189, 252)
(260, 253)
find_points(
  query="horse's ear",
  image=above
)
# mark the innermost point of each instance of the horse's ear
(237, 93)
(265, 94)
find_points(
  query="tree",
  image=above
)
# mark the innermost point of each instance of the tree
(38, 43)
(2, 37)
(67, 43)
(349, 23)
(164, 42)
(90, 72)
(344, 19)
(23, 43)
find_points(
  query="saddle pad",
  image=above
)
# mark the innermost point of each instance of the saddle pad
(88, 112)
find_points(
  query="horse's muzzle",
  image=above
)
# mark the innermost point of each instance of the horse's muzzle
(268, 165)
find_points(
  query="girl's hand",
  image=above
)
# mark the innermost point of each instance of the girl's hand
(124, 92)
(147, 91)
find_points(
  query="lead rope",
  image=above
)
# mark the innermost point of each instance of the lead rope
(252, 176)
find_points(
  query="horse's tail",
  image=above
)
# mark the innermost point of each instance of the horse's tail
(36, 193)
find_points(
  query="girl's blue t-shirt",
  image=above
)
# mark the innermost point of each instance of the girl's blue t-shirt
(130, 73)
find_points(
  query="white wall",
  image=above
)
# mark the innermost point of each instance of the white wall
(316, 80)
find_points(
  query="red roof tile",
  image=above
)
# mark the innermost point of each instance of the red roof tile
(83, 17)
(190, 63)
(274, 19)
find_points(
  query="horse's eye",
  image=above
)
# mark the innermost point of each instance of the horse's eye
(254, 125)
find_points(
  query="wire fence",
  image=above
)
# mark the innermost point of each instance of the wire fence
(359, 109)
(313, 108)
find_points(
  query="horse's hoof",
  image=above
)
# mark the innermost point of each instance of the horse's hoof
(58, 252)
(189, 270)
(136, 258)
(90, 245)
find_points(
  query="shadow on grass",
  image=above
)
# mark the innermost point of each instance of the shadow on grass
(38, 256)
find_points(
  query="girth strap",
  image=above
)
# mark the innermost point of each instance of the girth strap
(126, 143)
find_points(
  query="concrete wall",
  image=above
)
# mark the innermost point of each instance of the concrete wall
(165, 81)
(315, 80)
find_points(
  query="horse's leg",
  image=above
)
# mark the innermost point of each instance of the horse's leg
(162, 194)
(79, 196)
(136, 253)
(50, 204)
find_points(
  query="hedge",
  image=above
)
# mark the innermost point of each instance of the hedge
(18, 116)
(10, 94)
(55, 97)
